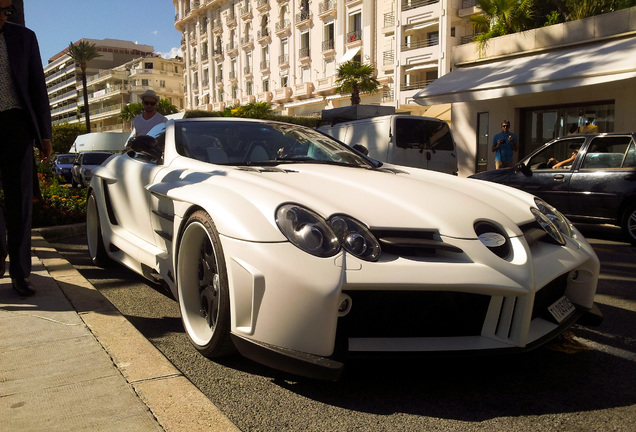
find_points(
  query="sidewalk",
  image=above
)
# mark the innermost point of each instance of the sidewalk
(69, 361)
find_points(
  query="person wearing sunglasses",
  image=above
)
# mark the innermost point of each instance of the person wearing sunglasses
(25, 120)
(504, 144)
(149, 117)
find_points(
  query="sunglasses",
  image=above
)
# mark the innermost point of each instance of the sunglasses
(505, 126)
(150, 103)
(8, 11)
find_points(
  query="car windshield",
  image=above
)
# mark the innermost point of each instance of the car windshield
(260, 143)
(95, 158)
(65, 159)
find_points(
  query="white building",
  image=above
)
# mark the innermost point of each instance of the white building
(287, 51)
(63, 77)
(579, 76)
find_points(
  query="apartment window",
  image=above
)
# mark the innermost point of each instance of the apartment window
(355, 27)
(162, 84)
(220, 95)
(265, 85)
(145, 83)
(249, 88)
(284, 81)
(148, 65)
(234, 92)
(304, 44)
(328, 37)
(433, 38)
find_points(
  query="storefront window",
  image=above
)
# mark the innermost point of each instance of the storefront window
(540, 125)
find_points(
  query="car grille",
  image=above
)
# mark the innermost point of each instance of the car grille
(547, 295)
(413, 243)
(414, 314)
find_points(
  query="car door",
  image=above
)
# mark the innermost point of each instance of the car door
(548, 183)
(606, 176)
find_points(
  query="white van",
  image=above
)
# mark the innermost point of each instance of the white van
(415, 141)
(113, 142)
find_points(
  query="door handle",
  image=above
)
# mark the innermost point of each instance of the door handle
(559, 177)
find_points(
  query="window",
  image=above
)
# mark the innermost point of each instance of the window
(249, 88)
(162, 83)
(265, 85)
(148, 65)
(328, 37)
(609, 152)
(284, 80)
(483, 142)
(145, 83)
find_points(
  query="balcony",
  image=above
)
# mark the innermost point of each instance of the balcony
(353, 38)
(304, 55)
(246, 11)
(217, 54)
(217, 26)
(303, 18)
(414, 4)
(282, 94)
(231, 49)
(230, 19)
(326, 9)
(263, 36)
(266, 96)
(247, 42)
(264, 66)
(326, 86)
(304, 90)
(262, 5)
(247, 71)
(329, 47)
(283, 61)
(283, 27)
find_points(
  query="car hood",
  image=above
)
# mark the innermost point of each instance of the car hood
(499, 175)
(382, 198)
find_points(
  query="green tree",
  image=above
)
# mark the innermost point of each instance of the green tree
(354, 77)
(82, 53)
(258, 110)
(165, 107)
(130, 111)
(64, 135)
(502, 17)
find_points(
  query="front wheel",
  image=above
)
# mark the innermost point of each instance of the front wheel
(203, 287)
(94, 237)
(629, 224)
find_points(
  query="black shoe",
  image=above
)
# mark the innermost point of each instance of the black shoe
(23, 287)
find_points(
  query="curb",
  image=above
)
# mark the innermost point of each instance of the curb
(174, 401)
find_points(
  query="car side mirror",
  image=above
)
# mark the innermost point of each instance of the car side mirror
(146, 145)
(362, 149)
(523, 168)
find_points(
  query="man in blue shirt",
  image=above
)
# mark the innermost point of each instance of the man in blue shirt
(504, 144)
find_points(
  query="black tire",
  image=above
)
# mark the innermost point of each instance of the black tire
(203, 291)
(94, 238)
(629, 223)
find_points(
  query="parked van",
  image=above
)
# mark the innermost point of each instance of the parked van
(415, 141)
(113, 142)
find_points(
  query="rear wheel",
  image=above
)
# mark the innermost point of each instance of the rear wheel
(629, 223)
(203, 287)
(94, 238)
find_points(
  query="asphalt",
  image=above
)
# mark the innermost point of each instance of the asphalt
(70, 361)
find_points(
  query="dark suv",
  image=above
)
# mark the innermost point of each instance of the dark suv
(597, 186)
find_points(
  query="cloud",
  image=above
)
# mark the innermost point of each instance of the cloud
(155, 33)
(174, 52)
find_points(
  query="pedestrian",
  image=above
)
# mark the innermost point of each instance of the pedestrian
(25, 120)
(149, 118)
(504, 144)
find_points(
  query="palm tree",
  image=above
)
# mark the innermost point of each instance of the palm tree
(164, 107)
(502, 17)
(354, 77)
(82, 53)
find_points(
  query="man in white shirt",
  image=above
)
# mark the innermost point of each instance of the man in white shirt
(149, 117)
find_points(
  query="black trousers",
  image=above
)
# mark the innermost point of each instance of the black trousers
(16, 175)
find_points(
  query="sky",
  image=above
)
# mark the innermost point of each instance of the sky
(59, 22)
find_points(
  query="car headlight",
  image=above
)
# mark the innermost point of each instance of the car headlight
(310, 232)
(494, 238)
(307, 230)
(552, 221)
(355, 238)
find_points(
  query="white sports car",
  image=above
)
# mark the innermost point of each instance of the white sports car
(297, 251)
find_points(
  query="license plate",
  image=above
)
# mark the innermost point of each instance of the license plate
(561, 309)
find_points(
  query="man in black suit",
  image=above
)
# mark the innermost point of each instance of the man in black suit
(25, 120)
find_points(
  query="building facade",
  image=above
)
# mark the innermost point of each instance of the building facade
(574, 77)
(111, 90)
(287, 51)
(123, 71)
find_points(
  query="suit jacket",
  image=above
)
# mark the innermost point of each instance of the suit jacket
(28, 75)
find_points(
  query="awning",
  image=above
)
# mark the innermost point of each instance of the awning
(349, 54)
(578, 66)
(305, 102)
(420, 26)
(411, 68)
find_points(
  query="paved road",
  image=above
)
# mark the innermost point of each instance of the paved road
(583, 382)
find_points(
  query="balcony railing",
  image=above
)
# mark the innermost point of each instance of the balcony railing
(283, 59)
(303, 52)
(418, 85)
(354, 36)
(303, 16)
(328, 45)
(282, 25)
(414, 4)
(420, 44)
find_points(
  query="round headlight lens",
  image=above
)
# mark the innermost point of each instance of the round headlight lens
(307, 230)
(548, 226)
(355, 237)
